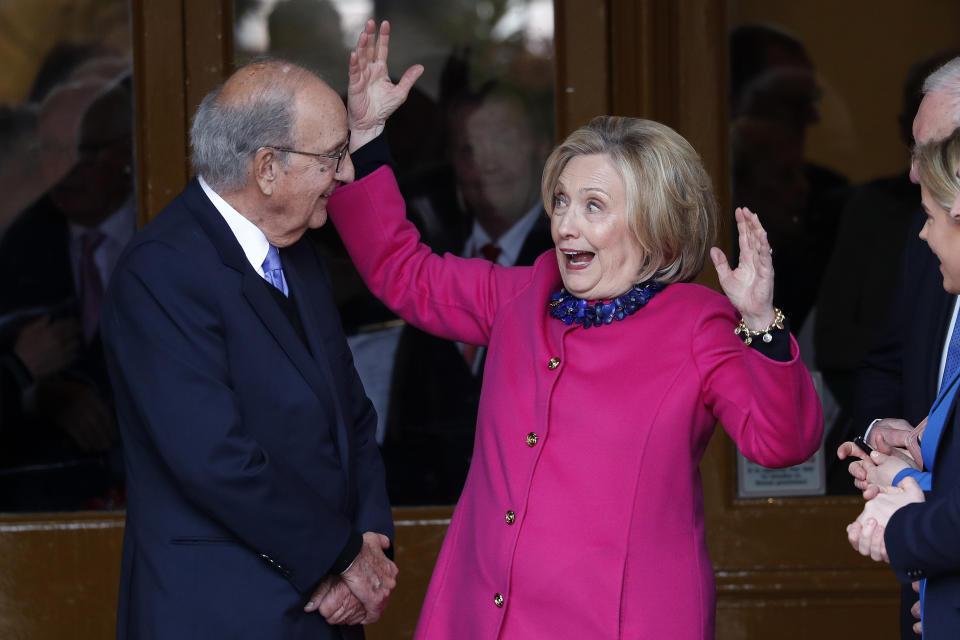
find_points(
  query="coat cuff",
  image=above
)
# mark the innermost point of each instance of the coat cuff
(923, 478)
(371, 157)
(349, 553)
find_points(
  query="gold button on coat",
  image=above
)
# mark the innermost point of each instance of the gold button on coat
(553, 363)
(498, 599)
(531, 439)
(511, 517)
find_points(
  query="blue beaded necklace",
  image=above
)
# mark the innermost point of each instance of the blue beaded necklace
(569, 309)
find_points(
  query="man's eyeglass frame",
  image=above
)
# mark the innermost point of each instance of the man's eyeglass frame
(338, 156)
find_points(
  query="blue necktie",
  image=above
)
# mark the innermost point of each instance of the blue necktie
(952, 362)
(273, 270)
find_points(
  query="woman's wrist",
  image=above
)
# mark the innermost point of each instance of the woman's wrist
(748, 333)
(760, 321)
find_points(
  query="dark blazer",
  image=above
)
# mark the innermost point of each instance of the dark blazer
(250, 455)
(898, 378)
(921, 539)
(434, 398)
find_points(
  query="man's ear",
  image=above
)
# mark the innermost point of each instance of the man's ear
(266, 170)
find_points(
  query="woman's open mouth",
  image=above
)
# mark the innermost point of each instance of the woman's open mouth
(578, 259)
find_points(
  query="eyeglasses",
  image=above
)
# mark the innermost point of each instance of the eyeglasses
(338, 155)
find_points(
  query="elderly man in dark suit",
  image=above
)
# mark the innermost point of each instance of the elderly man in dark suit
(255, 489)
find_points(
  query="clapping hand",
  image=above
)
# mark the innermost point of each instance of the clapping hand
(866, 533)
(750, 285)
(371, 96)
(897, 446)
(891, 434)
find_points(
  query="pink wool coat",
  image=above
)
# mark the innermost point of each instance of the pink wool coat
(582, 513)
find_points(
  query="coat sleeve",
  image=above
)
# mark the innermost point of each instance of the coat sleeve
(921, 538)
(769, 408)
(451, 297)
(165, 347)
(923, 478)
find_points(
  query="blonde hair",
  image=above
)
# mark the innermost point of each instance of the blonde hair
(671, 208)
(937, 165)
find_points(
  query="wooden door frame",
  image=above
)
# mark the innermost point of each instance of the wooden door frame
(659, 59)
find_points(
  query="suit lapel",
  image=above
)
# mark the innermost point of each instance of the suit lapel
(939, 414)
(305, 279)
(945, 400)
(537, 241)
(939, 327)
(257, 295)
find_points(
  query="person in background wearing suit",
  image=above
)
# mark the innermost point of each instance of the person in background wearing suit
(497, 145)
(256, 491)
(60, 449)
(914, 532)
(899, 379)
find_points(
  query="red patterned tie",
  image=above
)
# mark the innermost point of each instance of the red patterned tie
(91, 285)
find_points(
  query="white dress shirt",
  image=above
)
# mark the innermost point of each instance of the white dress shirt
(510, 243)
(117, 231)
(254, 244)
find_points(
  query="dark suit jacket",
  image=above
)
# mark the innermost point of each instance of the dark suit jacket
(434, 398)
(250, 455)
(922, 539)
(898, 378)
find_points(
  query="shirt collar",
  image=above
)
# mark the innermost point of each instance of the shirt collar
(510, 243)
(118, 227)
(251, 239)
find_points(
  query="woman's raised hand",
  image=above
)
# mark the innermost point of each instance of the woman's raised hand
(371, 95)
(750, 285)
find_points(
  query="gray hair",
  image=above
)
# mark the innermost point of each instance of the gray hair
(224, 136)
(946, 80)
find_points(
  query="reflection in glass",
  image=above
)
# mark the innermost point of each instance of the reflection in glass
(820, 147)
(469, 147)
(66, 169)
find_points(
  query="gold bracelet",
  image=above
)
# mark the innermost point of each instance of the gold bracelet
(749, 334)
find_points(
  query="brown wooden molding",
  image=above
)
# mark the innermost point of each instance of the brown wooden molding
(161, 119)
(581, 39)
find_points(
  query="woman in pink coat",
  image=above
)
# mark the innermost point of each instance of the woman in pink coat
(606, 373)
